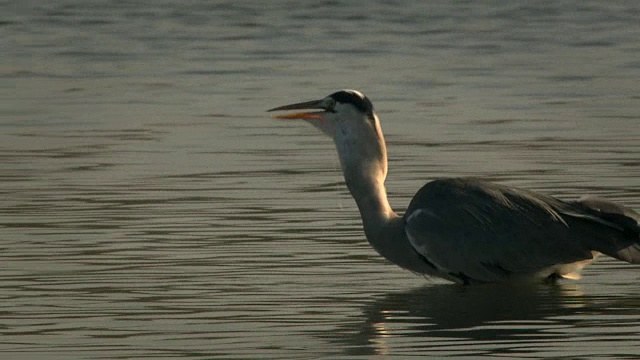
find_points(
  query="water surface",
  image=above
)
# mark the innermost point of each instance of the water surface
(150, 208)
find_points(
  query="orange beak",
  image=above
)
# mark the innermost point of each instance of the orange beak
(315, 115)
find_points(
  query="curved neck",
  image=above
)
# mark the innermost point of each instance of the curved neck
(363, 158)
(364, 165)
(383, 228)
(370, 195)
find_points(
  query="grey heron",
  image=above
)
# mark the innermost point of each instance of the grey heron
(466, 230)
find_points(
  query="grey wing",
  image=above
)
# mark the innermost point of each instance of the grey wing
(483, 232)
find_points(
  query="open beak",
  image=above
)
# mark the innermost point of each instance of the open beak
(314, 115)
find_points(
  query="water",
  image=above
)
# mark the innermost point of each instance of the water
(150, 208)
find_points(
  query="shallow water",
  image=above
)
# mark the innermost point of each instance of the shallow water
(150, 208)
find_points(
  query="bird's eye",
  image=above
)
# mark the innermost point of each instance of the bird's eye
(329, 104)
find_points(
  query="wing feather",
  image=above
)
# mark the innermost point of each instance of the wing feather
(485, 232)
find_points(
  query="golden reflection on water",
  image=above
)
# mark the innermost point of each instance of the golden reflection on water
(378, 340)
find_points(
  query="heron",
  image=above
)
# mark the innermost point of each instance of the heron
(466, 230)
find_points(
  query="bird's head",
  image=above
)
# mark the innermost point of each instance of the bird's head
(347, 117)
(344, 110)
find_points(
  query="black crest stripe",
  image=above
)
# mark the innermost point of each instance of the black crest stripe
(362, 103)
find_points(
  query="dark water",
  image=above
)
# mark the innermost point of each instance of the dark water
(150, 208)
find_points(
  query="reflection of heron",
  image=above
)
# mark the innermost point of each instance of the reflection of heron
(467, 230)
(524, 321)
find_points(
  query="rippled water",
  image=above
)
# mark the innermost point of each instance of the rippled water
(150, 208)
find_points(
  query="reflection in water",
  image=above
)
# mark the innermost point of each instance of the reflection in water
(491, 319)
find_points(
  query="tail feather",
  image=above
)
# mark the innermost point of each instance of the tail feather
(630, 254)
(620, 235)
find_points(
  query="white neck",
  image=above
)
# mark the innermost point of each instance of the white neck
(370, 195)
(383, 228)
(363, 159)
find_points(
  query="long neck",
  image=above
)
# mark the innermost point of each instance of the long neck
(370, 194)
(383, 228)
(364, 165)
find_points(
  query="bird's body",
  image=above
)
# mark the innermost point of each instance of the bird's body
(477, 231)
(464, 229)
